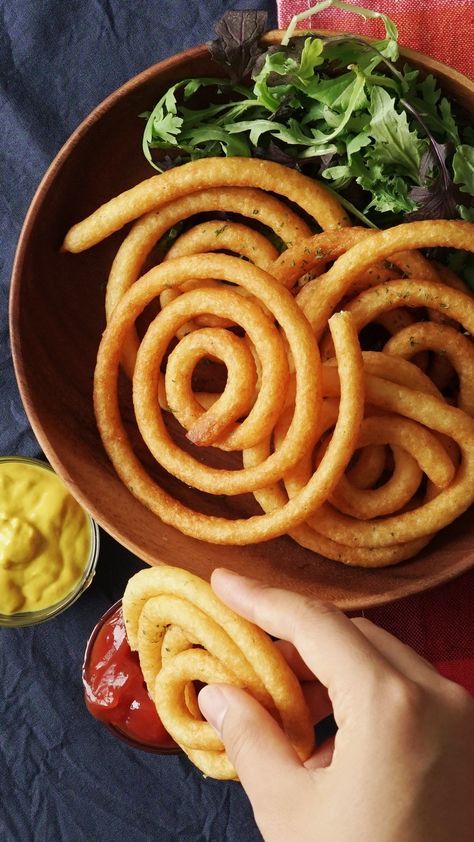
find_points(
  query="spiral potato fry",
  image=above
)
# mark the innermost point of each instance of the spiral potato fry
(148, 230)
(318, 304)
(159, 603)
(453, 500)
(444, 340)
(363, 458)
(302, 431)
(157, 191)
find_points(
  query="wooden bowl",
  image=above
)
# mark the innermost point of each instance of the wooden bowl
(57, 317)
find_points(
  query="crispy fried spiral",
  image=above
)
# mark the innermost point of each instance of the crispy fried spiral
(362, 459)
(184, 633)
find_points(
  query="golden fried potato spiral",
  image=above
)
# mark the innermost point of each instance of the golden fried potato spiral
(184, 633)
(362, 458)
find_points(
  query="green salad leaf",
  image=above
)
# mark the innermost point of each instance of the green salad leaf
(390, 28)
(463, 167)
(383, 138)
(397, 147)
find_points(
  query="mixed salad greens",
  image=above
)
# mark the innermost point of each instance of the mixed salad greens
(338, 108)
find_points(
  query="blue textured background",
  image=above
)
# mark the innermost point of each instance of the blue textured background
(62, 776)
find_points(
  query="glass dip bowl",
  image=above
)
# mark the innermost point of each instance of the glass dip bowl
(86, 564)
(115, 691)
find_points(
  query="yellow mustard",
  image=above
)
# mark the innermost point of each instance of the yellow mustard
(45, 538)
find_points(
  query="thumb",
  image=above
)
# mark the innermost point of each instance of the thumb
(260, 752)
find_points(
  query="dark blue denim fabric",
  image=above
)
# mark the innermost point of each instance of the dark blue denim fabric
(63, 777)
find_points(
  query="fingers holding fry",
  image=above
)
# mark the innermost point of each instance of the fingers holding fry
(222, 648)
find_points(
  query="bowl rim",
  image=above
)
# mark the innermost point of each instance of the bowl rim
(22, 619)
(406, 587)
(106, 104)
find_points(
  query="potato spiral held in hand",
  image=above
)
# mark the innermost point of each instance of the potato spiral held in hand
(184, 633)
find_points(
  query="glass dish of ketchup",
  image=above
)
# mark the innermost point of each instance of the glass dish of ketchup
(115, 691)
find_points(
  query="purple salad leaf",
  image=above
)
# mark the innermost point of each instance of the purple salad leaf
(274, 152)
(434, 196)
(170, 161)
(236, 46)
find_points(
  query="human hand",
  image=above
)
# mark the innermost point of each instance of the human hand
(401, 767)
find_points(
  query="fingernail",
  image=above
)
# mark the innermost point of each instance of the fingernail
(213, 705)
(227, 572)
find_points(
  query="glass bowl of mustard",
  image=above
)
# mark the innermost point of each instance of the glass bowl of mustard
(48, 543)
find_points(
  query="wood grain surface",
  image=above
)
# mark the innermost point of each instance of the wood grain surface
(56, 321)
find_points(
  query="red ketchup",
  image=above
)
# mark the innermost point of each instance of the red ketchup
(115, 691)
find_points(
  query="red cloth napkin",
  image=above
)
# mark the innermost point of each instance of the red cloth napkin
(439, 623)
(443, 29)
